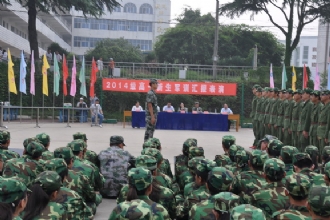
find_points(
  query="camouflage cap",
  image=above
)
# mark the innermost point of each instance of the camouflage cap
(327, 169)
(318, 199)
(11, 190)
(226, 201)
(63, 152)
(49, 181)
(259, 89)
(29, 140)
(258, 158)
(140, 178)
(228, 140)
(326, 151)
(154, 153)
(80, 135)
(287, 152)
(147, 144)
(153, 81)
(274, 168)
(58, 165)
(190, 142)
(242, 158)
(76, 145)
(268, 138)
(308, 91)
(246, 211)
(298, 91)
(155, 143)
(205, 165)
(300, 156)
(196, 152)
(283, 91)
(115, 139)
(233, 149)
(4, 136)
(34, 148)
(146, 161)
(298, 184)
(312, 150)
(316, 93)
(255, 86)
(192, 163)
(276, 89)
(222, 160)
(134, 210)
(290, 91)
(270, 89)
(81, 141)
(275, 145)
(92, 157)
(43, 138)
(325, 92)
(220, 178)
(47, 155)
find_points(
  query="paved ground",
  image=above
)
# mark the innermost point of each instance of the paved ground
(98, 139)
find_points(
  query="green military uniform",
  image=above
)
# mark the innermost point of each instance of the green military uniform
(296, 110)
(259, 116)
(224, 202)
(151, 98)
(135, 209)
(247, 211)
(280, 116)
(273, 113)
(4, 137)
(268, 106)
(241, 161)
(318, 200)
(323, 124)
(287, 105)
(287, 153)
(313, 152)
(316, 110)
(253, 113)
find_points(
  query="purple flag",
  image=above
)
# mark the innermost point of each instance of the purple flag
(271, 76)
(317, 79)
(33, 70)
(73, 78)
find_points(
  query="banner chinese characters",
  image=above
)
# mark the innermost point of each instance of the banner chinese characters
(171, 87)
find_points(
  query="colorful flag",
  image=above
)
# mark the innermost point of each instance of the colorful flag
(45, 67)
(82, 79)
(73, 78)
(294, 79)
(93, 78)
(32, 86)
(271, 77)
(284, 77)
(56, 76)
(305, 77)
(329, 76)
(65, 75)
(317, 79)
(22, 75)
(11, 75)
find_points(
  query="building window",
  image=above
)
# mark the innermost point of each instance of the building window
(130, 8)
(146, 9)
(12, 29)
(314, 49)
(305, 53)
(117, 9)
(313, 64)
(314, 57)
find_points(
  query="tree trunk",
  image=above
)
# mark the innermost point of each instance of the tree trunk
(288, 36)
(32, 29)
(288, 54)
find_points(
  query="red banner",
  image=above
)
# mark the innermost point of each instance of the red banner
(171, 87)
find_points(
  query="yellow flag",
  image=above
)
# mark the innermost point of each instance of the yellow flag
(294, 79)
(11, 75)
(45, 66)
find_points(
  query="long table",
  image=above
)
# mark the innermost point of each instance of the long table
(79, 113)
(187, 121)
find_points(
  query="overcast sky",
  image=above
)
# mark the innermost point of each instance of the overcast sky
(207, 6)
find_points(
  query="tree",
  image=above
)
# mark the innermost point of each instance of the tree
(118, 49)
(56, 47)
(94, 8)
(295, 12)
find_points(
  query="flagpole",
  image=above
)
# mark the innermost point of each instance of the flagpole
(9, 105)
(32, 109)
(20, 117)
(53, 86)
(43, 102)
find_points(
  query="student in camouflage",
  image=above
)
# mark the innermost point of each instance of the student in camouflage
(323, 127)
(288, 105)
(3, 159)
(241, 161)
(317, 106)
(327, 173)
(135, 209)
(44, 139)
(319, 203)
(189, 182)
(227, 141)
(151, 110)
(249, 181)
(40, 204)
(325, 157)
(224, 203)
(246, 211)
(13, 198)
(313, 152)
(271, 197)
(296, 110)
(115, 162)
(286, 156)
(264, 142)
(274, 148)
(89, 154)
(298, 186)
(4, 145)
(219, 180)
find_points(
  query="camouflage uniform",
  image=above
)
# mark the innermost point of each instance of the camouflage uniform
(323, 127)
(220, 178)
(225, 202)
(287, 105)
(249, 181)
(4, 137)
(296, 110)
(274, 148)
(135, 209)
(44, 139)
(314, 121)
(318, 200)
(114, 164)
(241, 160)
(271, 198)
(247, 212)
(327, 172)
(287, 153)
(325, 157)
(313, 152)
(151, 98)
(189, 180)
(298, 185)
(227, 141)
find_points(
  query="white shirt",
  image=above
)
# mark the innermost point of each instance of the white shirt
(228, 111)
(166, 108)
(96, 109)
(137, 108)
(59, 57)
(83, 104)
(5, 56)
(100, 64)
(49, 56)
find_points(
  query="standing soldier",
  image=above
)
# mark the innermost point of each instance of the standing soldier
(316, 99)
(253, 111)
(296, 110)
(288, 104)
(280, 115)
(304, 120)
(151, 110)
(256, 115)
(261, 112)
(268, 104)
(324, 121)
(273, 112)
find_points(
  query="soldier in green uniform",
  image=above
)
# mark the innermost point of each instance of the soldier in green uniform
(279, 124)
(296, 111)
(253, 110)
(265, 198)
(297, 186)
(304, 120)
(317, 106)
(288, 105)
(323, 127)
(4, 145)
(224, 203)
(151, 110)
(286, 156)
(247, 211)
(319, 203)
(268, 107)
(273, 112)
(258, 110)
(261, 112)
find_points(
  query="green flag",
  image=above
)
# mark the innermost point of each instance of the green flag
(56, 76)
(82, 79)
(284, 77)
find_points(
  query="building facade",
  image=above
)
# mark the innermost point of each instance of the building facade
(323, 46)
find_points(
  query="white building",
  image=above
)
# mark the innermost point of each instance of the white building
(138, 21)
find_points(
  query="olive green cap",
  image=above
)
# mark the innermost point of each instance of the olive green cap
(146, 161)
(258, 158)
(233, 149)
(308, 91)
(11, 190)
(154, 153)
(140, 178)
(228, 140)
(49, 181)
(195, 152)
(43, 138)
(29, 140)
(298, 91)
(220, 178)
(242, 158)
(205, 165)
(274, 168)
(226, 201)
(312, 150)
(4, 136)
(245, 212)
(287, 152)
(300, 156)
(63, 152)
(80, 135)
(58, 165)
(35, 148)
(76, 145)
(298, 184)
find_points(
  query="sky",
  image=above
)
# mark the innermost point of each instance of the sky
(207, 6)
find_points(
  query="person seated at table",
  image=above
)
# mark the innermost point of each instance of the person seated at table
(197, 108)
(80, 104)
(182, 108)
(137, 107)
(96, 110)
(227, 111)
(168, 108)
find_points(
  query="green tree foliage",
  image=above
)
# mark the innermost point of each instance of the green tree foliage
(118, 49)
(191, 41)
(94, 8)
(56, 47)
(297, 13)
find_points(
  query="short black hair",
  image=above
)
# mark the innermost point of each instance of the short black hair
(304, 163)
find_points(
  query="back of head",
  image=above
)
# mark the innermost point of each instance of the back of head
(155, 143)
(298, 186)
(76, 146)
(274, 169)
(203, 167)
(327, 170)
(154, 153)
(146, 162)
(190, 142)
(224, 202)
(58, 165)
(43, 138)
(247, 212)
(29, 140)
(326, 154)
(318, 199)
(274, 148)
(232, 151)
(80, 135)
(92, 157)
(287, 153)
(258, 159)
(35, 149)
(195, 152)
(227, 141)
(219, 180)
(302, 160)
(242, 158)
(4, 137)
(313, 152)
(115, 140)
(134, 210)
(64, 153)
